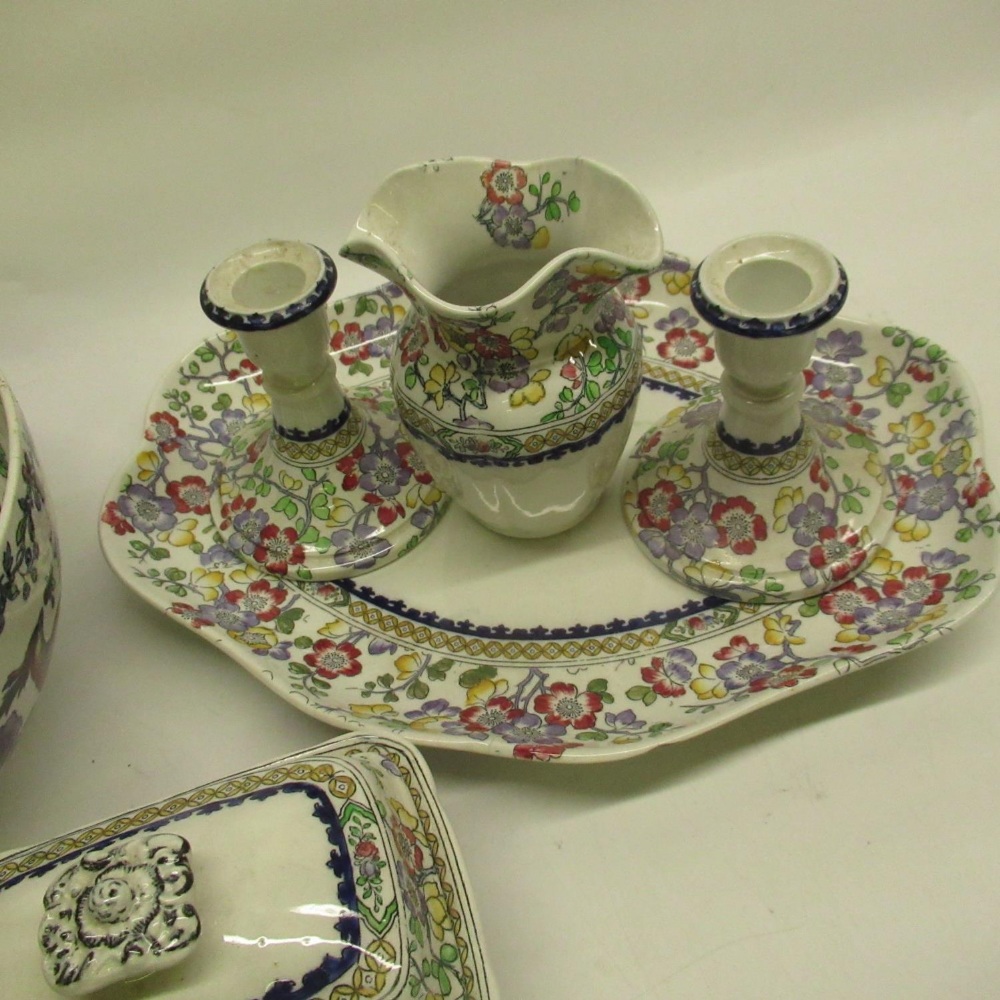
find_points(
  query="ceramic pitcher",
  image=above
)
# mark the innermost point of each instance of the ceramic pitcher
(517, 367)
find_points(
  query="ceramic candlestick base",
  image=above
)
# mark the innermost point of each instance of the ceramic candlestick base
(757, 492)
(324, 485)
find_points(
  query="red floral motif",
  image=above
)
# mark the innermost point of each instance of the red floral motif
(980, 486)
(412, 342)
(541, 751)
(113, 516)
(488, 345)
(191, 615)
(657, 503)
(920, 372)
(190, 494)
(573, 373)
(260, 598)
(685, 348)
(566, 705)
(278, 549)
(818, 474)
(350, 343)
(366, 848)
(844, 602)
(918, 585)
(503, 183)
(411, 461)
(165, 431)
(740, 646)
(837, 551)
(657, 677)
(482, 718)
(236, 506)
(740, 526)
(348, 466)
(246, 369)
(334, 659)
(786, 677)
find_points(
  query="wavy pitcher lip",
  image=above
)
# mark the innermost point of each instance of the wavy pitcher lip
(415, 228)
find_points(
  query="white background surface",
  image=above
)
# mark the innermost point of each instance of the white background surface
(839, 844)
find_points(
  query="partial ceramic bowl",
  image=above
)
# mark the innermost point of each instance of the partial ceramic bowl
(328, 874)
(29, 573)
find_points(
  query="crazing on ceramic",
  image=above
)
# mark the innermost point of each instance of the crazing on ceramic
(518, 365)
(357, 890)
(318, 485)
(120, 913)
(753, 494)
(29, 573)
(585, 685)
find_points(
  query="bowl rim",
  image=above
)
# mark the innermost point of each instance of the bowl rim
(15, 455)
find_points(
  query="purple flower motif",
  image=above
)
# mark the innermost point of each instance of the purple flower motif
(218, 555)
(360, 549)
(931, 497)
(146, 510)
(746, 668)
(808, 518)
(613, 312)
(190, 450)
(965, 427)
(553, 289)
(655, 541)
(678, 319)
(382, 473)
(835, 378)
(626, 720)
(697, 416)
(799, 562)
(942, 559)
(247, 526)
(839, 345)
(529, 728)
(505, 374)
(435, 709)
(378, 646)
(227, 425)
(890, 614)
(691, 532)
(510, 226)
(226, 615)
(376, 336)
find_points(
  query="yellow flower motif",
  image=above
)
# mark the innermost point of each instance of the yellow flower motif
(779, 629)
(873, 466)
(954, 458)
(541, 238)
(708, 685)
(884, 372)
(916, 432)
(260, 638)
(788, 498)
(599, 269)
(289, 482)
(340, 512)
(708, 575)
(621, 740)
(533, 392)
(437, 909)
(243, 576)
(423, 493)
(256, 402)
(883, 565)
(406, 665)
(850, 636)
(911, 528)
(208, 582)
(395, 313)
(333, 628)
(574, 346)
(406, 818)
(181, 534)
(370, 974)
(677, 283)
(438, 380)
(675, 474)
(149, 463)
(522, 340)
(481, 692)
(370, 711)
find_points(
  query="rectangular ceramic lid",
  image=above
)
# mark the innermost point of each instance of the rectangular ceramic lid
(331, 873)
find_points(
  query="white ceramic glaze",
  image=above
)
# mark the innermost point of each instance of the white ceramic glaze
(327, 875)
(576, 647)
(754, 496)
(274, 492)
(517, 368)
(29, 573)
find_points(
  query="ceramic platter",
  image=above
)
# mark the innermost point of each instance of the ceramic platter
(331, 873)
(574, 647)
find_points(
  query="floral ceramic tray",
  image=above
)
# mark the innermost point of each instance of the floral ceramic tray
(572, 647)
(328, 874)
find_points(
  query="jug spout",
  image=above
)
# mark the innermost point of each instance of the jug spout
(518, 348)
